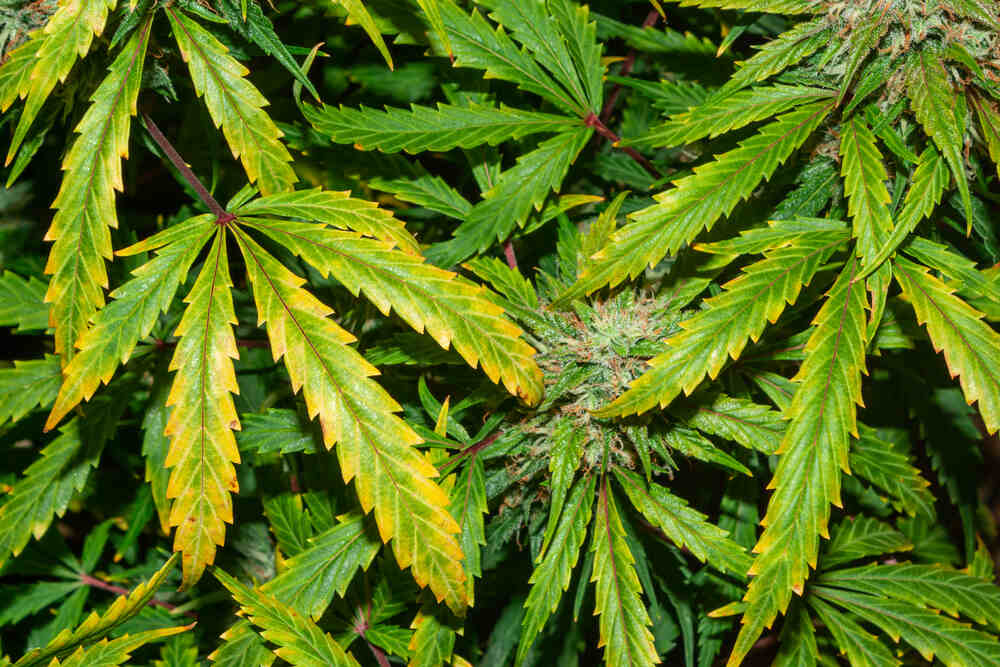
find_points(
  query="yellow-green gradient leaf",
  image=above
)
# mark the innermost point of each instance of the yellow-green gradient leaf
(67, 36)
(203, 416)
(130, 316)
(812, 455)
(234, 104)
(376, 448)
(719, 332)
(624, 623)
(454, 311)
(971, 346)
(85, 205)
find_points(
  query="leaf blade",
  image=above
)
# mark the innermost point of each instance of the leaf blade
(699, 200)
(85, 204)
(971, 347)
(375, 447)
(203, 417)
(235, 105)
(813, 454)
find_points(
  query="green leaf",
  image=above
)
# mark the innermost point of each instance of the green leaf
(971, 347)
(720, 115)
(880, 462)
(115, 652)
(430, 192)
(433, 640)
(359, 14)
(203, 417)
(953, 643)
(22, 303)
(241, 646)
(862, 42)
(21, 601)
(693, 444)
(669, 97)
(180, 651)
(862, 648)
(814, 452)
(376, 448)
(15, 73)
(989, 124)
(468, 505)
(234, 104)
(300, 641)
(941, 112)
(864, 183)
(788, 48)
(130, 316)
(862, 537)
(252, 25)
(66, 36)
(449, 308)
(56, 476)
(553, 572)
(720, 332)
(871, 79)
(532, 23)
(409, 348)
(508, 281)
(816, 185)
(97, 626)
(598, 232)
(566, 451)
(474, 43)
(85, 205)
(507, 204)
(28, 385)
(699, 200)
(580, 34)
(328, 566)
(650, 39)
(684, 526)
(927, 185)
(624, 622)
(336, 209)
(432, 9)
(961, 270)
(289, 521)
(738, 419)
(931, 541)
(431, 129)
(932, 586)
(277, 430)
(154, 449)
(981, 565)
(798, 641)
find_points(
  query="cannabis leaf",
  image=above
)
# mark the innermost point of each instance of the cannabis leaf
(86, 201)
(130, 316)
(299, 640)
(970, 346)
(203, 417)
(813, 454)
(375, 446)
(624, 621)
(96, 626)
(698, 201)
(67, 35)
(234, 104)
(740, 313)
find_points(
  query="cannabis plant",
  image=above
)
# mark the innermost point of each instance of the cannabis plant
(529, 332)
